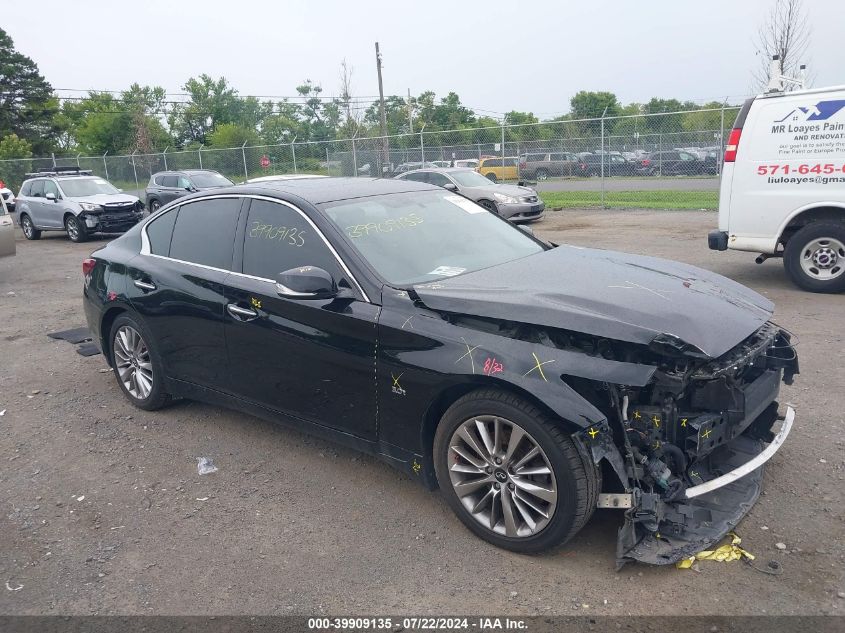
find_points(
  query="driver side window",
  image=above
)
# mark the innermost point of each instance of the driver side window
(184, 183)
(438, 179)
(278, 238)
(50, 187)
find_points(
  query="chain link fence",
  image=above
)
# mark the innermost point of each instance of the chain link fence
(669, 160)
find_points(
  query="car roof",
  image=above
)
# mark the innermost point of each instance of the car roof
(321, 190)
(441, 170)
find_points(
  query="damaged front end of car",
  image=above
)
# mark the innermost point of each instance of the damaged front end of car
(688, 448)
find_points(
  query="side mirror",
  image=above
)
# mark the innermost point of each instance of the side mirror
(526, 229)
(189, 188)
(450, 186)
(51, 196)
(306, 282)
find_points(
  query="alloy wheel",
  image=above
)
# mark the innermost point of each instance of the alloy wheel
(823, 259)
(133, 363)
(72, 228)
(26, 225)
(502, 476)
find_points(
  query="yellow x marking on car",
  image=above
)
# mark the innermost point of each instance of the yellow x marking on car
(539, 366)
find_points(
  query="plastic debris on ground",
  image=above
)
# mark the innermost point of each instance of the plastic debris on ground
(205, 466)
(724, 553)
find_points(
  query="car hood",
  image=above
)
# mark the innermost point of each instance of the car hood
(105, 198)
(516, 191)
(608, 294)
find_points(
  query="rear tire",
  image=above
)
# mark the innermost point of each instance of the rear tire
(155, 205)
(491, 177)
(557, 468)
(814, 257)
(76, 229)
(28, 228)
(136, 364)
(542, 174)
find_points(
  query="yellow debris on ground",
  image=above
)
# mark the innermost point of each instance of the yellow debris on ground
(725, 553)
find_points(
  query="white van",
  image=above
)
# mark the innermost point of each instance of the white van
(783, 185)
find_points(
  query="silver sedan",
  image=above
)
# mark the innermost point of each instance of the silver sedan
(513, 202)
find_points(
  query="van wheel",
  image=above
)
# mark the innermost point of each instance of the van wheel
(491, 176)
(814, 258)
(511, 473)
(28, 228)
(542, 174)
(489, 205)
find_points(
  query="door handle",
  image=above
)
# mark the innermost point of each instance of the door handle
(146, 286)
(242, 314)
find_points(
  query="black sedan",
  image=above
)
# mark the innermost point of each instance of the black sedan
(532, 383)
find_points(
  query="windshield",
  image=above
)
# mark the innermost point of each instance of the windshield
(81, 187)
(416, 237)
(470, 179)
(210, 180)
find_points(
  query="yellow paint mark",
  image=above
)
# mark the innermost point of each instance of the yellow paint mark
(637, 415)
(255, 302)
(593, 432)
(706, 433)
(539, 367)
(416, 466)
(656, 420)
(684, 422)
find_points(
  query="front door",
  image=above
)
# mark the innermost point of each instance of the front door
(7, 231)
(312, 359)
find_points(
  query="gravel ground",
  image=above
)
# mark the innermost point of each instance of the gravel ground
(103, 510)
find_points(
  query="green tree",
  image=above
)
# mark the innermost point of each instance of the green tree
(211, 103)
(27, 105)
(669, 119)
(233, 135)
(590, 105)
(14, 147)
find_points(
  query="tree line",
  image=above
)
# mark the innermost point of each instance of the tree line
(35, 121)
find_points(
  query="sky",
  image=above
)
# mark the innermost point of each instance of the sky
(498, 56)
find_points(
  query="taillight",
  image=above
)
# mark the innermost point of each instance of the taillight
(88, 265)
(646, 162)
(2, 185)
(733, 145)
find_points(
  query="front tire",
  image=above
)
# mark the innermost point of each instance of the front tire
(28, 228)
(76, 229)
(489, 205)
(155, 205)
(814, 257)
(512, 474)
(136, 364)
(491, 177)
(542, 174)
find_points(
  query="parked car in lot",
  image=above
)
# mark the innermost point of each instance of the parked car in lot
(531, 383)
(72, 200)
(544, 165)
(614, 165)
(499, 168)
(470, 163)
(513, 202)
(670, 163)
(406, 167)
(8, 197)
(166, 186)
(783, 186)
(7, 231)
(441, 163)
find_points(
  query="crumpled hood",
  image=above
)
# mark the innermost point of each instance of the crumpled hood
(508, 190)
(105, 198)
(608, 294)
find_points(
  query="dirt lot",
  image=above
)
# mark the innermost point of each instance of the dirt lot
(103, 510)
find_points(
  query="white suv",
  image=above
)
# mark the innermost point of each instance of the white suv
(783, 185)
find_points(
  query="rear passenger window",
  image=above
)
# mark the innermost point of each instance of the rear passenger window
(27, 187)
(168, 181)
(205, 232)
(159, 232)
(278, 238)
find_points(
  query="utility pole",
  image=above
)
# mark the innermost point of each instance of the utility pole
(410, 114)
(382, 113)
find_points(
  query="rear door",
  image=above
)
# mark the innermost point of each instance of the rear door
(169, 188)
(312, 359)
(33, 203)
(7, 231)
(178, 286)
